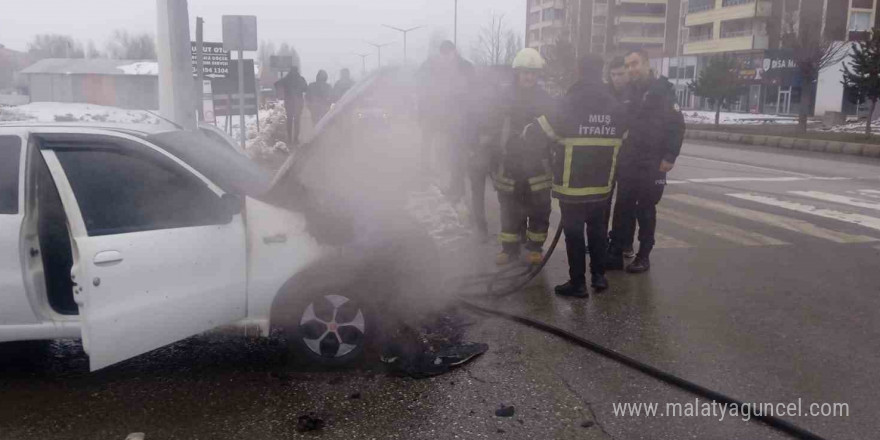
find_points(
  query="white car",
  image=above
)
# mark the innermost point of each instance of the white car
(133, 239)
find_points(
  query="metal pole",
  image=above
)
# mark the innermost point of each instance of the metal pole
(455, 27)
(404, 48)
(200, 67)
(241, 127)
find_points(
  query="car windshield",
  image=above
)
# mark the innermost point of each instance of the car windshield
(218, 162)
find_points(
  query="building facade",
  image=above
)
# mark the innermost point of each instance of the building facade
(753, 32)
(605, 26)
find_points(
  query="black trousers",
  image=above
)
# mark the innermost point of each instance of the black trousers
(637, 198)
(574, 217)
(478, 174)
(294, 115)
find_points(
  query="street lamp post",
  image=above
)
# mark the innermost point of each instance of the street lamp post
(455, 26)
(379, 50)
(363, 62)
(404, 31)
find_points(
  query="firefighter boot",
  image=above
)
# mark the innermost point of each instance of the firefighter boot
(534, 258)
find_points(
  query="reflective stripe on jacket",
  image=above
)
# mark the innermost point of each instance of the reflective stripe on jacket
(585, 137)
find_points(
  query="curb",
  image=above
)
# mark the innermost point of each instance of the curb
(819, 145)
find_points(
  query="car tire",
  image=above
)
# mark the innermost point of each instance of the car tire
(330, 329)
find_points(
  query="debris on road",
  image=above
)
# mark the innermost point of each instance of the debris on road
(136, 436)
(588, 424)
(309, 422)
(355, 396)
(433, 349)
(505, 411)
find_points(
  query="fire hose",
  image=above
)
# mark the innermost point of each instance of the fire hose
(526, 277)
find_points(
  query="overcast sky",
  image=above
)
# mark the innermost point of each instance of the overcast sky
(324, 32)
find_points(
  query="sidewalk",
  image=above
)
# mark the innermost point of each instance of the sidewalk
(789, 143)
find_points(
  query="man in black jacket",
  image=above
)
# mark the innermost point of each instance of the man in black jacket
(291, 89)
(649, 152)
(586, 133)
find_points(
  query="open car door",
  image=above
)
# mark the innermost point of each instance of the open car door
(159, 252)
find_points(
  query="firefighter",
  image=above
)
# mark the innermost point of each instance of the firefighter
(585, 135)
(522, 174)
(649, 152)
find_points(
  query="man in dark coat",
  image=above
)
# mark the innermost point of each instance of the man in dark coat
(319, 96)
(649, 152)
(342, 85)
(291, 89)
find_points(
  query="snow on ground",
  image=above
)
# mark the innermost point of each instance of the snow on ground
(75, 112)
(855, 127)
(141, 68)
(730, 118)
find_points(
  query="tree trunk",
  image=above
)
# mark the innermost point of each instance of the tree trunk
(870, 115)
(806, 103)
(718, 113)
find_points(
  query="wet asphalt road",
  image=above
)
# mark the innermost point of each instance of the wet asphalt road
(766, 307)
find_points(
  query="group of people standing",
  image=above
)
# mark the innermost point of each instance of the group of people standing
(618, 128)
(317, 96)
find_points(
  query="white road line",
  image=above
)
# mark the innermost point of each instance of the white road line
(858, 219)
(719, 230)
(873, 193)
(747, 166)
(747, 179)
(664, 241)
(750, 179)
(778, 221)
(845, 200)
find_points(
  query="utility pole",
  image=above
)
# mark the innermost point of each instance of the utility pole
(404, 31)
(175, 65)
(200, 65)
(379, 50)
(363, 62)
(455, 27)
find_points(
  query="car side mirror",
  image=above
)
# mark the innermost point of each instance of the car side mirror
(232, 204)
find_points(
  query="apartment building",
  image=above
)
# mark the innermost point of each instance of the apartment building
(605, 26)
(546, 21)
(753, 31)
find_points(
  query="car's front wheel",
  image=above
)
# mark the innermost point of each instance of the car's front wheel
(331, 329)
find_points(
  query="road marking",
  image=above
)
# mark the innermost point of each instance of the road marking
(872, 193)
(747, 166)
(778, 221)
(751, 179)
(845, 200)
(664, 241)
(858, 219)
(719, 230)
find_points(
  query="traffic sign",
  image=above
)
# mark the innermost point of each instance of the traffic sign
(216, 60)
(240, 32)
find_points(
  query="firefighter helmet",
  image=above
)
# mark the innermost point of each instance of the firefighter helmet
(528, 58)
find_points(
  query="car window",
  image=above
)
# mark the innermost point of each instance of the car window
(10, 151)
(122, 191)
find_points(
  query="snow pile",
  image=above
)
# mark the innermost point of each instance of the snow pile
(730, 118)
(446, 223)
(855, 127)
(74, 112)
(140, 68)
(270, 140)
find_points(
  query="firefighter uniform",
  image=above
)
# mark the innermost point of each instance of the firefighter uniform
(521, 171)
(586, 135)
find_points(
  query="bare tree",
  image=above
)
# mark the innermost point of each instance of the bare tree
(813, 52)
(495, 44)
(512, 44)
(125, 46)
(55, 46)
(92, 51)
